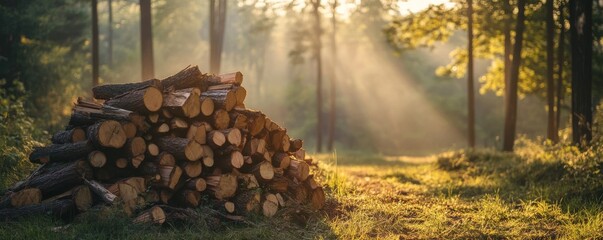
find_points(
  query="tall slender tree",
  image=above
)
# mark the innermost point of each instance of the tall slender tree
(95, 57)
(333, 113)
(508, 19)
(217, 25)
(146, 40)
(110, 34)
(550, 70)
(511, 100)
(470, 88)
(317, 55)
(581, 31)
(560, 63)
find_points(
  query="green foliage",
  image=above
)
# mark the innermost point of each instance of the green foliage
(17, 135)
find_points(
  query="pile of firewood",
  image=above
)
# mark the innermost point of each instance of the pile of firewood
(181, 142)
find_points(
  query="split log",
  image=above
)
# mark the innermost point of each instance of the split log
(64, 209)
(220, 119)
(183, 102)
(107, 134)
(97, 159)
(153, 117)
(216, 139)
(281, 200)
(137, 160)
(109, 91)
(223, 99)
(181, 148)
(263, 171)
(165, 159)
(233, 136)
(25, 197)
(197, 132)
(135, 147)
(256, 120)
(281, 160)
(154, 215)
(177, 124)
(129, 128)
(269, 205)
(166, 114)
(207, 106)
(247, 202)
(300, 154)
(230, 158)
(143, 100)
(61, 152)
(240, 93)
(277, 138)
(222, 186)
(238, 120)
(197, 184)
(208, 156)
(101, 191)
(223, 206)
(299, 169)
(162, 128)
(153, 149)
(170, 175)
(295, 145)
(69, 136)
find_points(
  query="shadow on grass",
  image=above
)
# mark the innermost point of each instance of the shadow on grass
(402, 178)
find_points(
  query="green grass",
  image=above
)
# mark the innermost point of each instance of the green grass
(458, 195)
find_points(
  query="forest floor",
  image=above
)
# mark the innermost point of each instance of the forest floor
(371, 197)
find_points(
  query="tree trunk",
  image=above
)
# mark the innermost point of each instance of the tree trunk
(470, 88)
(550, 70)
(317, 51)
(511, 101)
(110, 34)
(217, 24)
(146, 40)
(95, 57)
(507, 42)
(333, 115)
(582, 48)
(560, 64)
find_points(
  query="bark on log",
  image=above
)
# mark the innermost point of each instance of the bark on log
(154, 215)
(69, 136)
(256, 120)
(233, 136)
(181, 148)
(248, 181)
(299, 169)
(263, 171)
(97, 159)
(101, 191)
(216, 139)
(25, 197)
(197, 184)
(281, 160)
(59, 178)
(235, 78)
(191, 169)
(279, 184)
(197, 132)
(165, 159)
(222, 186)
(238, 120)
(170, 175)
(223, 99)
(64, 209)
(269, 205)
(61, 152)
(112, 90)
(241, 94)
(108, 134)
(190, 77)
(295, 145)
(247, 202)
(144, 100)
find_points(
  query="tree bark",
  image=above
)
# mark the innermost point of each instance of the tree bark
(59, 178)
(317, 52)
(110, 34)
(511, 101)
(146, 40)
(582, 48)
(61, 152)
(217, 25)
(470, 88)
(69, 136)
(143, 100)
(333, 115)
(95, 57)
(550, 70)
(109, 91)
(560, 65)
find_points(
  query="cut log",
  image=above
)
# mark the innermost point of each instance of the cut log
(240, 93)
(216, 139)
(238, 120)
(135, 147)
(137, 160)
(183, 102)
(166, 114)
(276, 139)
(230, 159)
(25, 197)
(97, 159)
(191, 169)
(64, 209)
(223, 99)
(81, 196)
(208, 156)
(263, 171)
(143, 100)
(61, 152)
(281, 200)
(178, 124)
(170, 175)
(152, 149)
(108, 134)
(69, 136)
(233, 136)
(235, 78)
(112, 90)
(279, 184)
(300, 154)
(86, 113)
(281, 160)
(222, 186)
(219, 119)
(130, 129)
(197, 184)
(298, 169)
(247, 202)
(181, 148)
(122, 163)
(165, 159)
(190, 77)
(153, 117)
(154, 215)
(162, 128)
(269, 205)
(295, 145)
(256, 120)
(207, 106)
(189, 198)
(299, 192)
(59, 178)
(197, 132)
(101, 191)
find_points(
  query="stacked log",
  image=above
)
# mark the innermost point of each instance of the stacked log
(184, 141)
